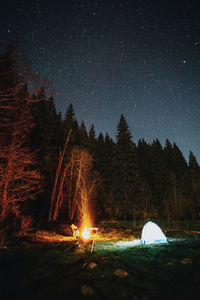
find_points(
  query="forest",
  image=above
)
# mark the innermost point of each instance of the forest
(56, 177)
(52, 168)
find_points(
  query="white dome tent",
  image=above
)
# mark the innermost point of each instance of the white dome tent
(152, 233)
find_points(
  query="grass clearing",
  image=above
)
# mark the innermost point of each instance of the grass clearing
(48, 265)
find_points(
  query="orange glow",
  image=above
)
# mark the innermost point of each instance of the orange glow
(85, 233)
(85, 227)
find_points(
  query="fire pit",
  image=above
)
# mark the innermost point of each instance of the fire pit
(85, 237)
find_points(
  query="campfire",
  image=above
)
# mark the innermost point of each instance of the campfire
(85, 235)
(88, 233)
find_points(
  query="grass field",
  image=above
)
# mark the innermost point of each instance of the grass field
(48, 265)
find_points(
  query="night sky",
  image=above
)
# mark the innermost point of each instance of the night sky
(139, 58)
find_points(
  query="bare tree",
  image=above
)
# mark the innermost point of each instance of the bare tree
(19, 177)
(86, 182)
(56, 199)
(74, 185)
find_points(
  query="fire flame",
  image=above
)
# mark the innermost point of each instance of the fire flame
(85, 233)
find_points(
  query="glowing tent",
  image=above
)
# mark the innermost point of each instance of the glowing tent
(151, 233)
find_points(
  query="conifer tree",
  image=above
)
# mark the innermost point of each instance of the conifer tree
(194, 195)
(92, 140)
(70, 123)
(105, 194)
(125, 173)
(168, 153)
(100, 152)
(180, 167)
(144, 160)
(180, 185)
(83, 136)
(47, 140)
(159, 175)
(193, 164)
(47, 136)
(100, 166)
(147, 202)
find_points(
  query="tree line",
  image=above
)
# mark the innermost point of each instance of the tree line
(51, 166)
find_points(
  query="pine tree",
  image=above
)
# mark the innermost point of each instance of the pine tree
(144, 160)
(100, 152)
(147, 201)
(195, 186)
(123, 133)
(168, 200)
(193, 164)
(168, 153)
(100, 166)
(105, 195)
(92, 142)
(180, 167)
(69, 118)
(9, 74)
(70, 123)
(180, 185)
(159, 175)
(83, 136)
(125, 173)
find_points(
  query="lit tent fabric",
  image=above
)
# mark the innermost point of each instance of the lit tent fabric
(152, 233)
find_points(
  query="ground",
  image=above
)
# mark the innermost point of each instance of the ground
(46, 265)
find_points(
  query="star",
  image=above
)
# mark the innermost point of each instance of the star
(113, 57)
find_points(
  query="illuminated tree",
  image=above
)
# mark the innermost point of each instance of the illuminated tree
(74, 186)
(85, 183)
(56, 196)
(19, 178)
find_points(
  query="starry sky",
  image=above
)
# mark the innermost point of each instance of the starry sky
(108, 57)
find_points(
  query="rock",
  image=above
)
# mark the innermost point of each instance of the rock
(120, 273)
(87, 290)
(105, 258)
(92, 265)
(170, 263)
(186, 260)
(84, 265)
